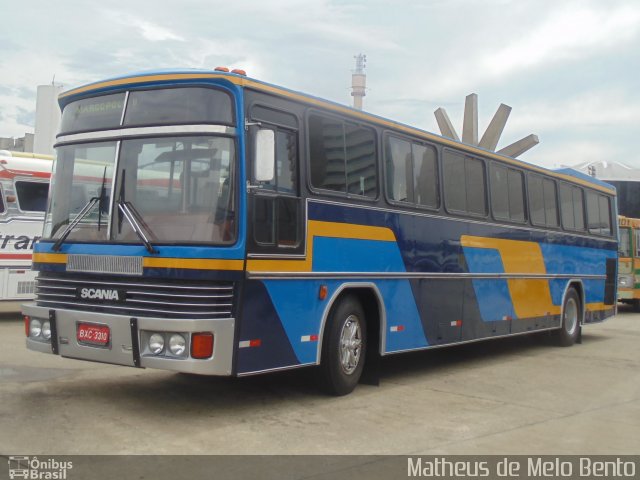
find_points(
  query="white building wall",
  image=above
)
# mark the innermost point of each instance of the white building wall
(47, 118)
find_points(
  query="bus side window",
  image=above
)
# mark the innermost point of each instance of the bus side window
(32, 196)
(542, 201)
(342, 156)
(598, 214)
(399, 170)
(2, 209)
(637, 239)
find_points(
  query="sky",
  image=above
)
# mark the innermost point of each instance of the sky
(569, 69)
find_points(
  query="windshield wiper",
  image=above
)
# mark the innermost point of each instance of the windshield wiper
(134, 218)
(83, 213)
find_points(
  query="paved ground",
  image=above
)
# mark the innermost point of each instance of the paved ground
(521, 395)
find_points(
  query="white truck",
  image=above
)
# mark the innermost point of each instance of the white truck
(24, 187)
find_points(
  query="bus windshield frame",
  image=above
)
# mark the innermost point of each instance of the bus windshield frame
(179, 179)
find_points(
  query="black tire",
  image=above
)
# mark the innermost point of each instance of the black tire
(341, 364)
(571, 319)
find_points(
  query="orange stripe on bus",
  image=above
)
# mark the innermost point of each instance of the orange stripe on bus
(49, 258)
(193, 263)
(530, 297)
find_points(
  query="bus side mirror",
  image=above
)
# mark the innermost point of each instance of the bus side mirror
(265, 148)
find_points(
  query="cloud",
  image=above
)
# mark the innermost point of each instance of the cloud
(571, 33)
(566, 68)
(149, 30)
(588, 110)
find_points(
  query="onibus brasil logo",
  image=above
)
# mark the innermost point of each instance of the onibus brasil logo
(35, 469)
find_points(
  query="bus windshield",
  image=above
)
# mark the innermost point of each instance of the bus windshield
(181, 187)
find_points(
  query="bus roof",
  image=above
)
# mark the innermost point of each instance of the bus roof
(577, 174)
(194, 75)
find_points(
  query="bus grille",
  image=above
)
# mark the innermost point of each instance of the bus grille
(136, 297)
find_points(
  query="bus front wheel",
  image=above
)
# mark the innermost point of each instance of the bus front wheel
(344, 347)
(571, 319)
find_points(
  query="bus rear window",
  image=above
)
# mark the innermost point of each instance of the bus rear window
(171, 106)
(32, 196)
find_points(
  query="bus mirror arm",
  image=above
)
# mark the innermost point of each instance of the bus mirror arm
(252, 187)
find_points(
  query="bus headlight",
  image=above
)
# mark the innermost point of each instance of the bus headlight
(625, 281)
(35, 328)
(46, 330)
(156, 343)
(177, 344)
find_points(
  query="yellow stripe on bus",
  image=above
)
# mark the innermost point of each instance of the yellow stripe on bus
(193, 263)
(315, 229)
(596, 307)
(531, 298)
(49, 258)
(158, 262)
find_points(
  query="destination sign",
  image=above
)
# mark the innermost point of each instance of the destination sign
(93, 113)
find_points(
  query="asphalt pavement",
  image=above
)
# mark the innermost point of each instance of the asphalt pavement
(521, 395)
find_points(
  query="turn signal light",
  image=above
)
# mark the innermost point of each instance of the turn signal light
(27, 320)
(322, 293)
(202, 345)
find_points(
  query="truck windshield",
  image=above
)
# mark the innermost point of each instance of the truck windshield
(182, 188)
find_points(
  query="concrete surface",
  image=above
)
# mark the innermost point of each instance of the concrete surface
(522, 395)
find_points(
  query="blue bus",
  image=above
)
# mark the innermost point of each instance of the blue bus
(209, 223)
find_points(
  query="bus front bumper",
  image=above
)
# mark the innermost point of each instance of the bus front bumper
(128, 339)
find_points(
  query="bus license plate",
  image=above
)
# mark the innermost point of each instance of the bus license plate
(92, 334)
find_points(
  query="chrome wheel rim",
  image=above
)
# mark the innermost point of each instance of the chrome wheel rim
(350, 344)
(571, 316)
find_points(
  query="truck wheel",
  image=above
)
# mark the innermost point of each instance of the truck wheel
(344, 347)
(571, 319)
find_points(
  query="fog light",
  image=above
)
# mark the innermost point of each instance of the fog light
(156, 343)
(46, 330)
(177, 344)
(35, 328)
(202, 345)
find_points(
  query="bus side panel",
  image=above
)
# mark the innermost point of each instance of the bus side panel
(18, 232)
(445, 307)
(262, 342)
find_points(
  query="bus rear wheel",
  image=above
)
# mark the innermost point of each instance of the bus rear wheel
(571, 319)
(344, 347)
